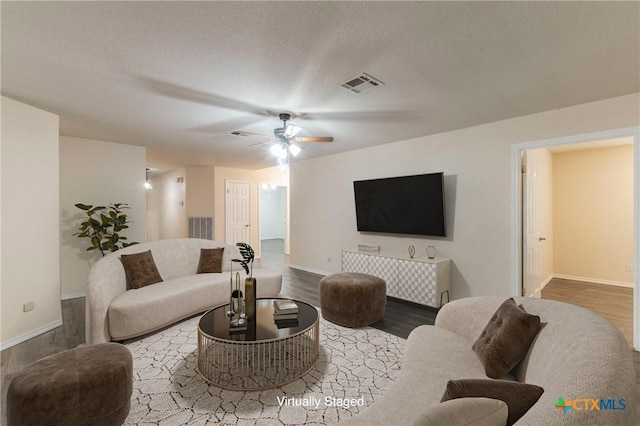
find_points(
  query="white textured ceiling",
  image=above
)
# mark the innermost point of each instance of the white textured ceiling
(178, 77)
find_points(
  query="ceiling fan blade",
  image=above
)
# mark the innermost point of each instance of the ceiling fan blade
(261, 143)
(313, 139)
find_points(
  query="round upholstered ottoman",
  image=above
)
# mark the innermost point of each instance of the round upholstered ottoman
(87, 385)
(352, 299)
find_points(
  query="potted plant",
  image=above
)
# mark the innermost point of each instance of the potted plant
(104, 226)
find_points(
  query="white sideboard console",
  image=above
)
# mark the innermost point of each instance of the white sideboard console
(419, 280)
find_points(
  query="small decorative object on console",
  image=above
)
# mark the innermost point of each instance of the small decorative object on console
(368, 247)
(412, 251)
(431, 252)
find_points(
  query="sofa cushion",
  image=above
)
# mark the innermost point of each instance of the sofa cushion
(519, 397)
(431, 358)
(465, 412)
(210, 260)
(506, 339)
(146, 309)
(140, 269)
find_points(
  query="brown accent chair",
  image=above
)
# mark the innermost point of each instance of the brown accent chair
(87, 385)
(351, 299)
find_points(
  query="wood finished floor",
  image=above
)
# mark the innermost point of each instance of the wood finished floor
(612, 302)
(400, 318)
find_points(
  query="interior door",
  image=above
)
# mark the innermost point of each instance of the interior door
(238, 212)
(531, 235)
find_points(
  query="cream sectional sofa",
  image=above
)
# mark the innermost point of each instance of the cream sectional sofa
(115, 313)
(576, 354)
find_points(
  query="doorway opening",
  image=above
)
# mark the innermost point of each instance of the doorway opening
(274, 223)
(563, 190)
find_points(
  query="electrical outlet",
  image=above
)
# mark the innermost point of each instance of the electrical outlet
(628, 267)
(28, 307)
(329, 259)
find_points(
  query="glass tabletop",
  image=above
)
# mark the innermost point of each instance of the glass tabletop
(215, 323)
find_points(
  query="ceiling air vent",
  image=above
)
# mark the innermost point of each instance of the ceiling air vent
(244, 134)
(362, 83)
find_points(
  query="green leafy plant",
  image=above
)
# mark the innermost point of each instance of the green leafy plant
(247, 258)
(103, 227)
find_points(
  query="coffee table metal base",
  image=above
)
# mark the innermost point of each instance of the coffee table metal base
(248, 365)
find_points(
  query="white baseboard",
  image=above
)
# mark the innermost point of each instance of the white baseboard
(543, 284)
(593, 280)
(313, 271)
(30, 335)
(538, 292)
(70, 296)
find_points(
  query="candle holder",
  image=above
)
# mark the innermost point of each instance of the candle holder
(431, 252)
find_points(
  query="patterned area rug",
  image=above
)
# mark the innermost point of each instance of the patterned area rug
(354, 368)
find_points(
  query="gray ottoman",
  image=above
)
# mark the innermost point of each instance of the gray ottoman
(87, 385)
(352, 299)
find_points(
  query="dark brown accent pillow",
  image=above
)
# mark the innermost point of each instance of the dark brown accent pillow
(140, 269)
(210, 260)
(506, 339)
(519, 397)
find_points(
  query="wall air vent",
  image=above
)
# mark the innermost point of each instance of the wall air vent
(362, 83)
(201, 227)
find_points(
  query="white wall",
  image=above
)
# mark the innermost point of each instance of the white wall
(477, 167)
(30, 269)
(170, 202)
(167, 211)
(97, 173)
(200, 195)
(273, 211)
(593, 214)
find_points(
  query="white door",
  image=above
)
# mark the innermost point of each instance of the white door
(238, 212)
(531, 218)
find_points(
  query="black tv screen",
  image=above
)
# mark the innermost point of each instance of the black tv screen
(401, 205)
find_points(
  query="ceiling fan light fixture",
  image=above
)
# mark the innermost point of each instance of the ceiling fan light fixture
(294, 150)
(279, 150)
(291, 131)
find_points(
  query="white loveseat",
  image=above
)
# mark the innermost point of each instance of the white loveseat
(575, 355)
(115, 313)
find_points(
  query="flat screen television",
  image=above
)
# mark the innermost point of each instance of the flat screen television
(401, 205)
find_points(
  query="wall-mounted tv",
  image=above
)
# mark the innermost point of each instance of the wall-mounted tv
(401, 205)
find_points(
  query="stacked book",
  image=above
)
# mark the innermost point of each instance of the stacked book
(285, 313)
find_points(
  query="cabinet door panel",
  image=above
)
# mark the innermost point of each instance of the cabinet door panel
(417, 282)
(355, 262)
(387, 269)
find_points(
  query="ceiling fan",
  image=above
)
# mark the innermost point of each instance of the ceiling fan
(285, 140)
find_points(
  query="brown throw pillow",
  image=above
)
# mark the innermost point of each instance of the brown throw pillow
(519, 397)
(210, 260)
(140, 269)
(506, 339)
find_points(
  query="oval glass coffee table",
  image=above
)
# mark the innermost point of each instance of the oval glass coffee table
(264, 356)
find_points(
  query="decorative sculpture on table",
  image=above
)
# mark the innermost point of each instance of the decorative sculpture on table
(238, 322)
(250, 291)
